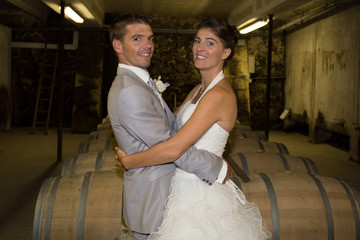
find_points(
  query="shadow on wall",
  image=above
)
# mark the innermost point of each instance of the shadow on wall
(4, 107)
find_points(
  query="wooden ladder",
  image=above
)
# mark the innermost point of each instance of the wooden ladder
(46, 88)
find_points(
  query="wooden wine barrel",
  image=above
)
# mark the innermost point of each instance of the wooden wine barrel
(304, 206)
(239, 126)
(106, 119)
(273, 162)
(104, 126)
(85, 206)
(243, 132)
(253, 145)
(101, 144)
(106, 133)
(247, 134)
(92, 161)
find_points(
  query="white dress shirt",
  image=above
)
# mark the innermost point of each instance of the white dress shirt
(141, 73)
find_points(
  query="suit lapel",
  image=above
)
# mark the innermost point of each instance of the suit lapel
(166, 112)
(169, 113)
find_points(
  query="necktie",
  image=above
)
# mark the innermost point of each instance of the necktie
(152, 85)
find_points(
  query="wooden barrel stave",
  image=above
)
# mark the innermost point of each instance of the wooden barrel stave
(107, 133)
(244, 134)
(101, 144)
(254, 145)
(91, 161)
(273, 162)
(304, 206)
(78, 206)
(104, 126)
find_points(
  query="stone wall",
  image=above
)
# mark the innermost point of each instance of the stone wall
(90, 69)
(173, 60)
(5, 83)
(88, 82)
(237, 72)
(257, 46)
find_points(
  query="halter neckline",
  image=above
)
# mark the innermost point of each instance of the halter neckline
(217, 79)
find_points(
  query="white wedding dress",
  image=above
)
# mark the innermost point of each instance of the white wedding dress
(198, 211)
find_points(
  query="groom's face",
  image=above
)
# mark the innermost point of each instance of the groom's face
(137, 46)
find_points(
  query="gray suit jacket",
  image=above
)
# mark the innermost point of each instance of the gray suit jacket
(139, 122)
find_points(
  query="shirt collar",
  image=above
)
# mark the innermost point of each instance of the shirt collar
(144, 75)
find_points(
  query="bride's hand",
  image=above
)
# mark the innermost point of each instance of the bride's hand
(228, 173)
(119, 156)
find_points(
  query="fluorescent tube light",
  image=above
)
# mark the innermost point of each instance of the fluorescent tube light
(254, 26)
(73, 15)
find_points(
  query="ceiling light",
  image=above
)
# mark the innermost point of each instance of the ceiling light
(69, 13)
(256, 25)
(82, 10)
(73, 15)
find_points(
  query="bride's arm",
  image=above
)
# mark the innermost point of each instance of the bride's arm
(207, 113)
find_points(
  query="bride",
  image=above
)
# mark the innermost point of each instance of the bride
(195, 210)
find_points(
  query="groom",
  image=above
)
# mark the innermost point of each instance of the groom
(140, 119)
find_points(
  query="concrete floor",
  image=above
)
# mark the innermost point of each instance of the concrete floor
(26, 160)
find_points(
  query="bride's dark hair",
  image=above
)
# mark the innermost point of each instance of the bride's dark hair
(227, 34)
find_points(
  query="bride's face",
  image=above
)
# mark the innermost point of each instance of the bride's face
(208, 50)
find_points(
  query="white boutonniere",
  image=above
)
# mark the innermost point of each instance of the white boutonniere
(160, 86)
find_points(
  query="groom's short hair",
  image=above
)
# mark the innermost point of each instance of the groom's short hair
(118, 28)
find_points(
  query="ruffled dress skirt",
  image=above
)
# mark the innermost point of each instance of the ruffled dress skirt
(198, 211)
